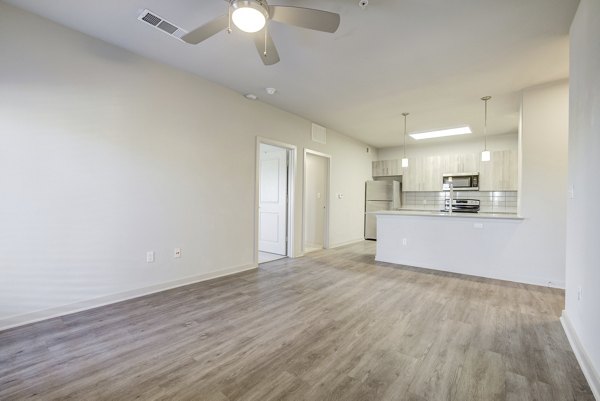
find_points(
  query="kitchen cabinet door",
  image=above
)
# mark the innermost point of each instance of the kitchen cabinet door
(452, 164)
(469, 163)
(510, 168)
(500, 173)
(460, 163)
(410, 180)
(377, 169)
(431, 174)
(383, 168)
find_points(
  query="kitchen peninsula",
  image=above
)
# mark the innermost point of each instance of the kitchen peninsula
(480, 244)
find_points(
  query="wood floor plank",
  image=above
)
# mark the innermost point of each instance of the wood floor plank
(334, 325)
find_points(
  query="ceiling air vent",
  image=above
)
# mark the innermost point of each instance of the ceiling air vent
(161, 24)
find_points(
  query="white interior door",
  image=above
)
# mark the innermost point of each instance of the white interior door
(316, 170)
(273, 200)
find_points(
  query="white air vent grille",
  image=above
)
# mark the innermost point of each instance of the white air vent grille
(319, 134)
(151, 19)
(168, 28)
(161, 24)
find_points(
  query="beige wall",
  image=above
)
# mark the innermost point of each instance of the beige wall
(583, 213)
(543, 170)
(105, 155)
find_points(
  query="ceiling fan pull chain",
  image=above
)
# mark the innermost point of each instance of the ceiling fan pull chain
(266, 33)
(229, 18)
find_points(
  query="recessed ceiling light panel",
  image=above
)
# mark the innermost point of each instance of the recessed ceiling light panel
(441, 133)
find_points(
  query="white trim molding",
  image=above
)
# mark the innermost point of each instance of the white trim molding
(327, 157)
(341, 244)
(590, 373)
(292, 153)
(63, 310)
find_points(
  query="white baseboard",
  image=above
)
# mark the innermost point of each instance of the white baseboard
(503, 277)
(587, 367)
(354, 241)
(20, 320)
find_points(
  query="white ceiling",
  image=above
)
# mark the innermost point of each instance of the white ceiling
(432, 58)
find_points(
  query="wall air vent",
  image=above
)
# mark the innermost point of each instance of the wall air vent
(319, 134)
(161, 24)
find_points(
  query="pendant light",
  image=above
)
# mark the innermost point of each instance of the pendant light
(485, 155)
(404, 159)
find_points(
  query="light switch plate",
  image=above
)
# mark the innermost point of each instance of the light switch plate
(150, 256)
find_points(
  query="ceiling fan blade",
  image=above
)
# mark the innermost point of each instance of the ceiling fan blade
(309, 18)
(272, 57)
(207, 30)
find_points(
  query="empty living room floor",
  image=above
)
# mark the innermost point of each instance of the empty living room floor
(334, 325)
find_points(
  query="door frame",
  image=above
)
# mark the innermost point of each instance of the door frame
(291, 184)
(327, 198)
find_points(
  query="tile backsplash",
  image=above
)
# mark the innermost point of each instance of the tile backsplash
(491, 202)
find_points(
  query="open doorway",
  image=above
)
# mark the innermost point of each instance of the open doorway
(316, 201)
(275, 184)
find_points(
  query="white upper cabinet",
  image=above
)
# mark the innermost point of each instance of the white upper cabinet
(500, 173)
(425, 173)
(462, 163)
(383, 168)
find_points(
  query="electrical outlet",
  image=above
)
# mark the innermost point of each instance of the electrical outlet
(579, 293)
(404, 242)
(150, 256)
(177, 253)
(478, 225)
(571, 192)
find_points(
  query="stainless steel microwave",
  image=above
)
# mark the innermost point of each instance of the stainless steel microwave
(461, 181)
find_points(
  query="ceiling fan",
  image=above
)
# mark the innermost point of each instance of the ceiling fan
(252, 16)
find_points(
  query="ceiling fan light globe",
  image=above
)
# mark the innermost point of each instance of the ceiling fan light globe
(249, 17)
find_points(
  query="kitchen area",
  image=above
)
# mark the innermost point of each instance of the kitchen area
(456, 204)
(430, 184)
(484, 206)
(450, 212)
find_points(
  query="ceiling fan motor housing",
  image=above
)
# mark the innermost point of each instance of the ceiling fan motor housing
(259, 5)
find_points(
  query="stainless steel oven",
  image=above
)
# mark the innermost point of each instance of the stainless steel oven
(461, 181)
(462, 205)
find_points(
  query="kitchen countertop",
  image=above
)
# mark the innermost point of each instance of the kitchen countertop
(435, 213)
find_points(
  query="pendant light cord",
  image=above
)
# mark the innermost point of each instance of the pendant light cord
(485, 128)
(404, 146)
(266, 33)
(485, 99)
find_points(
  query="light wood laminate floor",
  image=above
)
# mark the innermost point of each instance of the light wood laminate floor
(334, 325)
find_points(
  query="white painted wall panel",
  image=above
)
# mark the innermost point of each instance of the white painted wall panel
(583, 213)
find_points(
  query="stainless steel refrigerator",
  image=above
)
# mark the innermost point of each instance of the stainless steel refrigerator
(379, 195)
